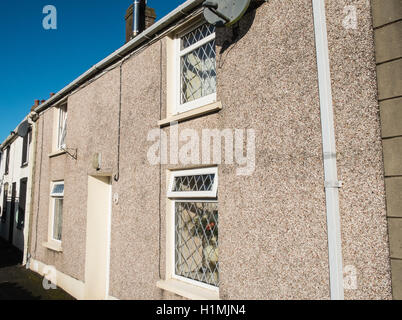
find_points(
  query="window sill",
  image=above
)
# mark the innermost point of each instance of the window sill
(53, 246)
(57, 153)
(198, 112)
(187, 290)
(24, 165)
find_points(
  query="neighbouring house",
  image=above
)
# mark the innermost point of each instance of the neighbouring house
(15, 187)
(210, 162)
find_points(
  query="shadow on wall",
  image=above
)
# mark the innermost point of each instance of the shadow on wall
(227, 38)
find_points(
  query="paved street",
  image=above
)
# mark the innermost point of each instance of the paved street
(18, 283)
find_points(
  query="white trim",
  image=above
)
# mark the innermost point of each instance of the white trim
(211, 98)
(176, 283)
(109, 240)
(187, 290)
(197, 44)
(194, 194)
(74, 287)
(329, 152)
(198, 112)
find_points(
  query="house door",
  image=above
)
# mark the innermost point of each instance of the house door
(12, 213)
(98, 238)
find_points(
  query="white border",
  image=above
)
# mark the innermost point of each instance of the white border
(193, 194)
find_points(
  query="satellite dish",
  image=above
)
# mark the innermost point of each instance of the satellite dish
(23, 129)
(225, 12)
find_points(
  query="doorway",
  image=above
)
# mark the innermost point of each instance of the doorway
(98, 238)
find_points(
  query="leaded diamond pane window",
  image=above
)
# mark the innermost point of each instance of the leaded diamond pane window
(196, 35)
(199, 183)
(196, 241)
(202, 182)
(198, 64)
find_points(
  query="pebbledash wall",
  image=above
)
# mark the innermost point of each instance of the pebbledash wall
(273, 228)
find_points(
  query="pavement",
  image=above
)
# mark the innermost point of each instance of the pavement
(19, 283)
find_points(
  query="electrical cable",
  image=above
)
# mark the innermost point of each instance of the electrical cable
(117, 176)
(160, 161)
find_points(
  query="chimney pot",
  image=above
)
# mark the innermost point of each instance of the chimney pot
(36, 103)
(52, 94)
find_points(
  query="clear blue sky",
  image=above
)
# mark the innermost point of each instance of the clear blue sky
(35, 61)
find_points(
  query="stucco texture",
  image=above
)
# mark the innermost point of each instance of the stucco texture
(358, 141)
(273, 236)
(92, 128)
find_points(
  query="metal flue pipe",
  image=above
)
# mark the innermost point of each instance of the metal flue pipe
(136, 17)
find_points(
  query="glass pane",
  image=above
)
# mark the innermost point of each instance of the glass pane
(58, 189)
(197, 255)
(203, 182)
(196, 35)
(58, 219)
(62, 126)
(198, 73)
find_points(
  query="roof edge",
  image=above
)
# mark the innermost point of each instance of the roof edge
(144, 37)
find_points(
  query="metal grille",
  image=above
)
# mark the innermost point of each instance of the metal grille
(198, 70)
(203, 182)
(196, 35)
(196, 245)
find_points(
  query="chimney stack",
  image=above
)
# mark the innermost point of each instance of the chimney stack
(147, 17)
(36, 104)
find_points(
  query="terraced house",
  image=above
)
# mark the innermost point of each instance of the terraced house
(229, 150)
(15, 187)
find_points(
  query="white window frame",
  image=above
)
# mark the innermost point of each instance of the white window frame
(173, 198)
(211, 98)
(193, 194)
(61, 127)
(54, 197)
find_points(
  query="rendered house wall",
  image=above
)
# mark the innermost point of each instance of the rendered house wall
(273, 239)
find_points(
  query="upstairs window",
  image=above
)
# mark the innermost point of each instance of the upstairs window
(195, 226)
(62, 127)
(196, 67)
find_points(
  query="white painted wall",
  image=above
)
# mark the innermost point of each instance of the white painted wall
(15, 174)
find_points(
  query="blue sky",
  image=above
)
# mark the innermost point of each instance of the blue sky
(35, 61)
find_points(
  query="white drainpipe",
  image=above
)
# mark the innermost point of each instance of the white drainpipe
(329, 153)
